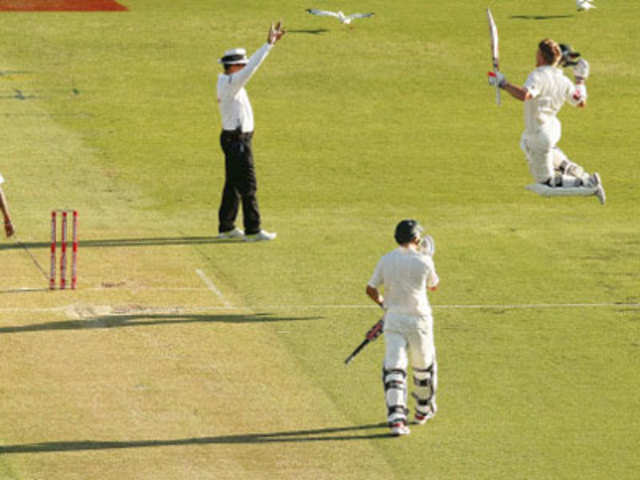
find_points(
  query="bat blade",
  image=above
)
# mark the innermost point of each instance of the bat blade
(495, 56)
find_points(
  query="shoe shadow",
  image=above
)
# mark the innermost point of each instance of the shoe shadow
(148, 320)
(318, 435)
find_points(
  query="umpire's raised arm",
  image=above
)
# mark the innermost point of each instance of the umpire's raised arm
(239, 79)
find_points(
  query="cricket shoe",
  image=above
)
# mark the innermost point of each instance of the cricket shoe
(235, 233)
(399, 429)
(261, 236)
(599, 188)
(421, 418)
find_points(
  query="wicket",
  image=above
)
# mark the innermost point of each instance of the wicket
(63, 249)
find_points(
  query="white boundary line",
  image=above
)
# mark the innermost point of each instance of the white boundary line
(256, 308)
(211, 286)
(523, 306)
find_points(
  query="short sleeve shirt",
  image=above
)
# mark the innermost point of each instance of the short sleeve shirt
(549, 89)
(405, 275)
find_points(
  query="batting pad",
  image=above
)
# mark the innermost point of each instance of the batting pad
(547, 191)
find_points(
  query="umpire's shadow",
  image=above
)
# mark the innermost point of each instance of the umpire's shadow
(294, 436)
(148, 320)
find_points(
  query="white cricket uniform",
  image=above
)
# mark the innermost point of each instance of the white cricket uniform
(408, 325)
(408, 330)
(1, 179)
(233, 101)
(549, 89)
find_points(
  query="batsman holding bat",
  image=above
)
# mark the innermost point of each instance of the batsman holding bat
(544, 93)
(405, 274)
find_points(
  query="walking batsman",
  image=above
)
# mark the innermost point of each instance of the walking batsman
(4, 208)
(405, 274)
(237, 132)
(544, 93)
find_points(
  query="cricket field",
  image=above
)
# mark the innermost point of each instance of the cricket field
(181, 356)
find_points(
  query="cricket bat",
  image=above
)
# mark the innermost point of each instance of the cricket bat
(493, 32)
(373, 333)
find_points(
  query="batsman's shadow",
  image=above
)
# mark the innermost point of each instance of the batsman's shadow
(338, 434)
(148, 320)
(539, 17)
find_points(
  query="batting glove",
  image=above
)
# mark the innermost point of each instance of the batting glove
(497, 78)
(581, 70)
(427, 246)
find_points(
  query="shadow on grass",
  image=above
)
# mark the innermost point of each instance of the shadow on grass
(316, 31)
(147, 320)
(127, 242)
(318, 435)
(539, 17)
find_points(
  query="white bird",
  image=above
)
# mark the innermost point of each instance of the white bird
(346, 19)
(584, 5)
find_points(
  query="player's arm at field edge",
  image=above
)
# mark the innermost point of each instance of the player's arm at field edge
(4, 208)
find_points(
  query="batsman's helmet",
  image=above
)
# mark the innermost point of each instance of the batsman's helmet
(569, 57)
(407, 230)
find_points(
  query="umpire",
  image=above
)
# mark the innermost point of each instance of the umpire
(237, 132)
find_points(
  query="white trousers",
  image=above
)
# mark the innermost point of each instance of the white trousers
(549, 164)
(540, 149)
(408, 338)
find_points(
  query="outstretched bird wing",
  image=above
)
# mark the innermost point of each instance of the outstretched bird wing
(321, 13)
(359, 15)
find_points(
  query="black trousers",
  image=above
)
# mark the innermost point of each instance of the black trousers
(240, 183)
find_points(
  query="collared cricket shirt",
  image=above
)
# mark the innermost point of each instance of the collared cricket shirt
(549, 88)
(405, 274)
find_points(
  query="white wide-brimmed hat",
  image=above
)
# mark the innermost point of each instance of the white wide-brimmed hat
(235, 56)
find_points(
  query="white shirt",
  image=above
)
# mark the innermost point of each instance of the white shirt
(549, 89)
(1, 179)
(235, 108)
(405, 274)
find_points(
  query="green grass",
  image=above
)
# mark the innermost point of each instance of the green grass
(144, 373)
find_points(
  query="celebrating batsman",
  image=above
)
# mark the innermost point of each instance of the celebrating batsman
(406, 273)
(544, 93)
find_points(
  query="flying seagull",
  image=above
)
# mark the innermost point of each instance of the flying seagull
(584, 5)
(346, 19)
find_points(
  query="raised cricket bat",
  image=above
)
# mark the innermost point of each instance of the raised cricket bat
(493, 32)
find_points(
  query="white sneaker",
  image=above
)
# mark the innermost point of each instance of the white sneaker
(421, 419)
(235, 233)
(262, 235)
(399, 428)
(599, 188)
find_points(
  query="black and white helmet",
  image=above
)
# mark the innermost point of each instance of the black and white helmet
(407, 230)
